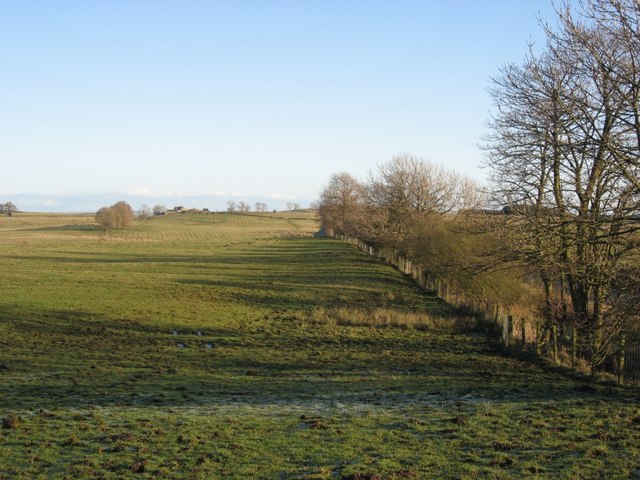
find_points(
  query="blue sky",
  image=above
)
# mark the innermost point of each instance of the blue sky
(161, 101)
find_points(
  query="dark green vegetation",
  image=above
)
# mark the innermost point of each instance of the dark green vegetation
(94, 384)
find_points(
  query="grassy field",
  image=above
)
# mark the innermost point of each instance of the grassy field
(238, 347)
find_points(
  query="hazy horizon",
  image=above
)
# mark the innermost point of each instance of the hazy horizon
(70, 203)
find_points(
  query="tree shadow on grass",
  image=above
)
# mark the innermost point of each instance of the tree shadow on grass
(55, 359)
(85, 227)
(72, 359)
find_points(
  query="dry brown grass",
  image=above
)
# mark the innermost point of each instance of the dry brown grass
(385, 317)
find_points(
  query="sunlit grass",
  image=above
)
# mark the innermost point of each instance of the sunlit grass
(221, 346)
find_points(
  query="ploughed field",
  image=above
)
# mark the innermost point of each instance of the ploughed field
(242, 346)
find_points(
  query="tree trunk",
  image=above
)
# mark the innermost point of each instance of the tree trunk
(574, 346)
(621, 354)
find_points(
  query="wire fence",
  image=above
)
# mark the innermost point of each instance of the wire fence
(631, 367)
(561, 345)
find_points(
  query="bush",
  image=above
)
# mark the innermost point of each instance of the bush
(118, 215)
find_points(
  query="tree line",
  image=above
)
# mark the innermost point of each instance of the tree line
(424, 212)
(563, 155)
(566, 142)
(121, 215)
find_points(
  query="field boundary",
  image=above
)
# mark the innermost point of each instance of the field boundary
(523, 334)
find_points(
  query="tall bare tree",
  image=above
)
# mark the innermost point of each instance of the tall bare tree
(144, 212)
(407, 190)
(341, 204)
(564, 150)
(244, 207)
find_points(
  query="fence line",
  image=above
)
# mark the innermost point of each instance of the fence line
(436, 285)
(631, 366)
(514, 332)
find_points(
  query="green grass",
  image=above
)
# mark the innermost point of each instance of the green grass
(324, 364)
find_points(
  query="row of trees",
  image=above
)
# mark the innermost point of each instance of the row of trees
(244, 207)
(260, 207)
(121, 215)
(420, 210)
(429, 214)
(564, 157)
(565, 145)
(395, 200)
(146, 211)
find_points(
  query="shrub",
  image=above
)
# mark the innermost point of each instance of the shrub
(118, 215)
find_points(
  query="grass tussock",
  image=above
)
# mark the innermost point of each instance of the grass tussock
(387, 317)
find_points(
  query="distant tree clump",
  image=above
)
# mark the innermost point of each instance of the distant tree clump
(8, 207)
(244, 207)
(232, 206)
(159, 209)
(399, 196)
(144, 212)
(118, 215)
(342, 204)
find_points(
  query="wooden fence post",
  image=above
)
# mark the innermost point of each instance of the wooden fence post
(574, 347)
(554, 333)
(621, 355)
(523, 333)
(509, 330)
(632, 362)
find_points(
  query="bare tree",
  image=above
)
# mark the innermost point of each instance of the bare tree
(564, 150)
(232, 206)
(261, 207)
(119, 215)
(293, 206)
(406, 190)
(342, 203)
(8, 207)
(124, 214)
(244, 207)
(410, 184)
(159, 209)
(106, 217)
(144, 212)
